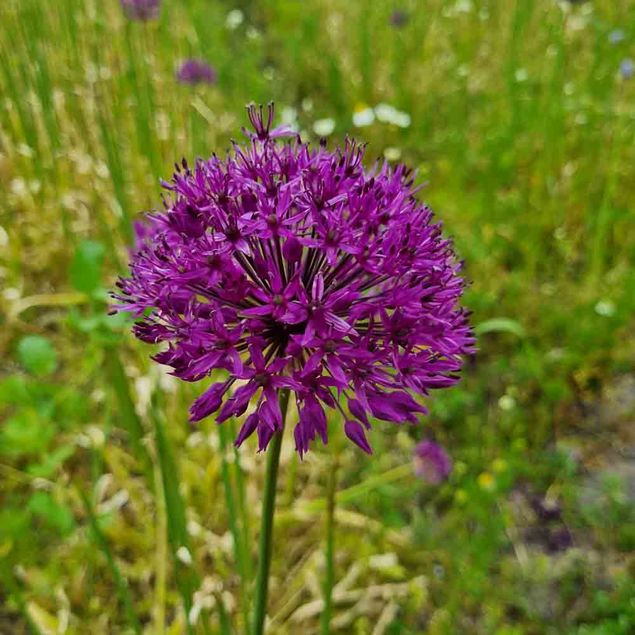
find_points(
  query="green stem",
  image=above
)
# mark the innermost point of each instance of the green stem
(266, 522)
(329, 576)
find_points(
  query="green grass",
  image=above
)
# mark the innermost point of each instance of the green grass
(524, 133)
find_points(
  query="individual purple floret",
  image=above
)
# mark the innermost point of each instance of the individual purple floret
(432, 462)
(141, 9)
(287, 267)
(194, 71)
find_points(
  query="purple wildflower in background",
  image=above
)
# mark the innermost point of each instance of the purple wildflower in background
(627, 68)
(432, 462)
(141, 9)
(399, 18)
(194, 71)
(294, 268)
(616, 36)
(559, 539)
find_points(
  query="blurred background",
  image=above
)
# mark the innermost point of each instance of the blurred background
(520, 117)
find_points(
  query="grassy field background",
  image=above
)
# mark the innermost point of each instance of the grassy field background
(113, 518)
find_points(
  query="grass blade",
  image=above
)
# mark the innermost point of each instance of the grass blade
(187, 579)
(127, 414)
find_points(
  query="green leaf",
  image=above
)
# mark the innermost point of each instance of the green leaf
(25, 433)
(51, 462)
(37, 355)
(14, 521)
(14, 391)
(85, 269)
(57, 516)
(501, 325)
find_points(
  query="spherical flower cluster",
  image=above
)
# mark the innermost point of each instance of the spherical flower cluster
(292, 268)
(141, 9)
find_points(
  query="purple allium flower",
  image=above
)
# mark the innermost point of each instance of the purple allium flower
(294, 268)
(627, 68)
(399, 18)
(141, 9)
(195, 71)
(432, 462)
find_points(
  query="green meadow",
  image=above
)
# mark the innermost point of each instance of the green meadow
(117, 516)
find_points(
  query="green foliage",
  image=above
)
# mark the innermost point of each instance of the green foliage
(522, 128)
(42, 505)
(85, 267)
(37, 355)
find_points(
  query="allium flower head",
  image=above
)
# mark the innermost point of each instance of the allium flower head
(432, 462)
(194, 71)
(141, 9)
(287, 267)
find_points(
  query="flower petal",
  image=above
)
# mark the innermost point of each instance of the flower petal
(356, 434)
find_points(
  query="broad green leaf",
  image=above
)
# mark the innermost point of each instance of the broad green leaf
(57, 516)
(37, 355)
(85, 269)
(25, 433)
(14, 391)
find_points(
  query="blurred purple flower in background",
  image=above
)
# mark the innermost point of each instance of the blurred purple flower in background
(432, 462)
(195, 71)
(627, 68)
(141, 9)
(545, 508)
(399, 18)
(559, 539)
(616, 36)
(291, 268)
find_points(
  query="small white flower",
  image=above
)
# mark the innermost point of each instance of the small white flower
(324, 127)
(363, 117)
(234, 19)
(184, 555)
(507, 403)
(289, 117)
(521, 75)
(389, 114)
(385, 112)
(402, 120)
(605, 308)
